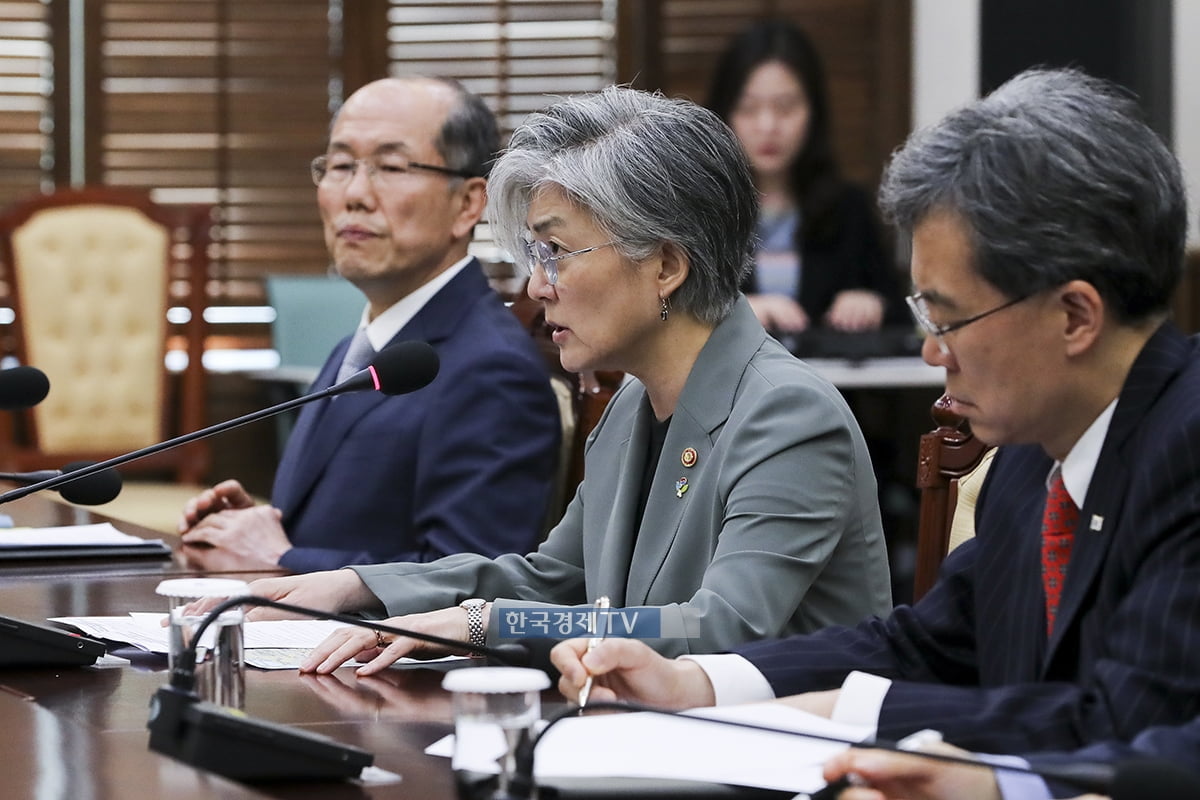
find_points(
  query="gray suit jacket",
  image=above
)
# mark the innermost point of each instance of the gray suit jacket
(778, 531)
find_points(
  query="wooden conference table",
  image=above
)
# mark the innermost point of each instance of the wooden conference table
(81, 732)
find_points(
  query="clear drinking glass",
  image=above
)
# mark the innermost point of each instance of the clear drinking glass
(495, 709)
(220, 666)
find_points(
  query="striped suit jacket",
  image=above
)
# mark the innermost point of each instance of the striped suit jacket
(972, 658)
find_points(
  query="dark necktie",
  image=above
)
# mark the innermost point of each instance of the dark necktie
(1058, 533)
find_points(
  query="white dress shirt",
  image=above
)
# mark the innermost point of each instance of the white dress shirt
(384, 328)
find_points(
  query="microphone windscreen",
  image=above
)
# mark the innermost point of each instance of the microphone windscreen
(405, 367)
(22, 387)
(91, 490)
(1152, 779)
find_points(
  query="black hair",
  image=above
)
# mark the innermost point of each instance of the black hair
(813, 177)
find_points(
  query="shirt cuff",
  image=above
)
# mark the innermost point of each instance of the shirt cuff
(733, 678)
(1017, 785)
(861, 700)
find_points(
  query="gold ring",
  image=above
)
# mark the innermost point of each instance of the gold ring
(379, 640)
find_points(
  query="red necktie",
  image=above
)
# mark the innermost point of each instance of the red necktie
(1058, 533)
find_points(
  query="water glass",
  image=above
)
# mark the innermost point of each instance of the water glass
(220, 664)
(496, 709)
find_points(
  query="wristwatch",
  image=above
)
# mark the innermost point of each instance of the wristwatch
(476, 632)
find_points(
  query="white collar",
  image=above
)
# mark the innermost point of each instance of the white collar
(1080, 463)
(384, 328)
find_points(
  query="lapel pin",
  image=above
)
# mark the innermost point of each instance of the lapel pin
(1097, 522)
(681, 486)
(688, 457)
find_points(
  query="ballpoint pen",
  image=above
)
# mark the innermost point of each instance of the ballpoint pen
(598, 628)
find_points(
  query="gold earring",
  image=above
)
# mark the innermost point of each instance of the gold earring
(666, 309)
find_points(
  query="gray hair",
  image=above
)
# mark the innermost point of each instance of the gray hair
(649, 170)
(1058, 178)
(470, 138)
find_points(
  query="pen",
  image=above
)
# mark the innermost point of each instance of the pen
(598, 628)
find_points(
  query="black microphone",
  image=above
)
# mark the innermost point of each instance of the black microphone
(90, 490)
(231, 744)
(399, 369)
(22, 387)
(1136, 779)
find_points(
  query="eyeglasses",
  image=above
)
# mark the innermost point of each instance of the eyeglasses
(337, 170)
(919, 307)
(542, 254)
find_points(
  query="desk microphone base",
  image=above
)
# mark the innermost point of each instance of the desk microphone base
(229, 743)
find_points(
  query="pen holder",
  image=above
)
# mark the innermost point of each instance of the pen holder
(495, 708)
(220, 665)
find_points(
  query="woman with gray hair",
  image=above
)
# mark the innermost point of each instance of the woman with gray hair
(728, 489)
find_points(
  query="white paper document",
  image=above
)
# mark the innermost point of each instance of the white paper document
(98, 535)
(681, 747)
(292, 658)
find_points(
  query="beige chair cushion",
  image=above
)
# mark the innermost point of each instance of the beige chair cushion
(962, 526)
(93, 300)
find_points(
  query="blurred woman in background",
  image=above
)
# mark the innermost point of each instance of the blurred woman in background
(821, 259)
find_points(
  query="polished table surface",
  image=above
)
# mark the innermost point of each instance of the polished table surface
(81, 732)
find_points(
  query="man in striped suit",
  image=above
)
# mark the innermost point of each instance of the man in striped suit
(1047, 225)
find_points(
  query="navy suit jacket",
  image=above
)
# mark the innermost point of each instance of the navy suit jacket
(972, 658)
(465, 464)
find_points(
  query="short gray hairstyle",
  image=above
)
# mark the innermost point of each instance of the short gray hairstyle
(1058, 178)
(649, 170)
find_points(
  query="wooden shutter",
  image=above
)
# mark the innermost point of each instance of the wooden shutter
(222, 102)
(26, 75)
(516, 54)
(225, 101)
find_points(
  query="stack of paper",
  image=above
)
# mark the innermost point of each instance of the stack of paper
(76, 541)
(683, 747)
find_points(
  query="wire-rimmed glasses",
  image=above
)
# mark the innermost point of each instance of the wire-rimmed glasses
(542, 254)
(919, 307)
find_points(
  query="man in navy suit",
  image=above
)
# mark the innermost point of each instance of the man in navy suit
(1047, 224)
(465, 464)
